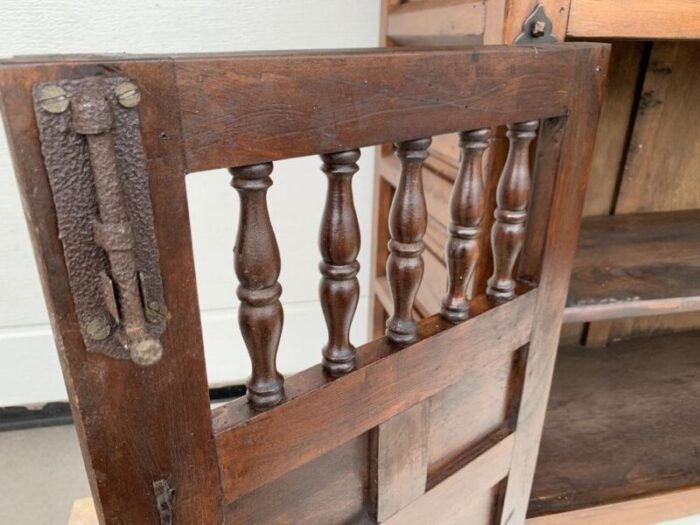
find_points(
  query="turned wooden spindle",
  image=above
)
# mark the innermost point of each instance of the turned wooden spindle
(512, 196)
(257, 265)
(339, 242)
(466, 212)
(408, 219)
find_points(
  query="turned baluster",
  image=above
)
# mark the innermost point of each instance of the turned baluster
(466, 211)
(408, 219)
(512, 195)
(339, 242)
(257, 265)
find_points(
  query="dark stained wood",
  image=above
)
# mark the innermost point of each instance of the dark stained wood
(256, 448)
(546, 164)
(466, 211)
(257, 264)
(561, 232)
(622, 423)
(330, 489)
(399, 460)
(339, 242)
(469, 411)
(136, 425)
(635, 265)
(508, 232)
(408, 219)
(313, 448)
(262, 107)
(444, 503)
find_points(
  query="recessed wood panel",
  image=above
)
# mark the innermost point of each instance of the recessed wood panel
(330, 489)
(467, 496)
(464, 414)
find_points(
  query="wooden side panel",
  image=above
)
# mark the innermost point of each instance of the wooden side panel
(615, 118)
(331, 489)
(437, 22)
(666, 138)
(560, 247)
(256, 448)
(136, 425)
(663, 162)
(645, 19)
(445, 503)
(399, 456)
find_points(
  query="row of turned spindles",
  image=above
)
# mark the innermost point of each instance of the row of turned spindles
(257, 259)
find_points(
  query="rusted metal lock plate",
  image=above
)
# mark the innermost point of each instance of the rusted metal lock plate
(91, 144)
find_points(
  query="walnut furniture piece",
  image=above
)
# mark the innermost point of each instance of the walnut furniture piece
(376, 433)
(637, 267)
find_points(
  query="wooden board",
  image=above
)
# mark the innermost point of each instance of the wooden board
(615, 118)
(643, 19)
(440, 22)
(622, 423)
(663, 162)
(635, 265)
(640, 511)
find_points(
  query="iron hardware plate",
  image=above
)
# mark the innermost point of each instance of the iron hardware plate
(94, 158)
(537, 28)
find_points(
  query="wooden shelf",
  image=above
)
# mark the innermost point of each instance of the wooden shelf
(622, 423)
(636, 265)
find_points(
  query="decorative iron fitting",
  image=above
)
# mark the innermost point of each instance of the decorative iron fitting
(165, 499)
(537, 28)
(92, 149)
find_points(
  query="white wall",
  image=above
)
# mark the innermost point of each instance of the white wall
(29, 370)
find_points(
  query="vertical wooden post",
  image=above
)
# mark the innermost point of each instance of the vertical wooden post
(512, 196)
(140, 429)
(339, 242)
(466, 211)
(575, 144)
(408, 220)
(257, 265)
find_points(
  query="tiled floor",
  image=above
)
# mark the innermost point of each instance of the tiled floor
(41, 474)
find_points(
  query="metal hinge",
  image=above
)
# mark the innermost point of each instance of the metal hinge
(93, 154)
(165, 499)
(537, 28)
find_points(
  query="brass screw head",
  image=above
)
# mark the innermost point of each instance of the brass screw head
(146, 352)
(98, 329)
(128, 94)
(53, 99)
(538, 28)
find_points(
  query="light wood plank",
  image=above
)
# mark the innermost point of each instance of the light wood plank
(649, 19)
(643, 511)
(435, 23)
